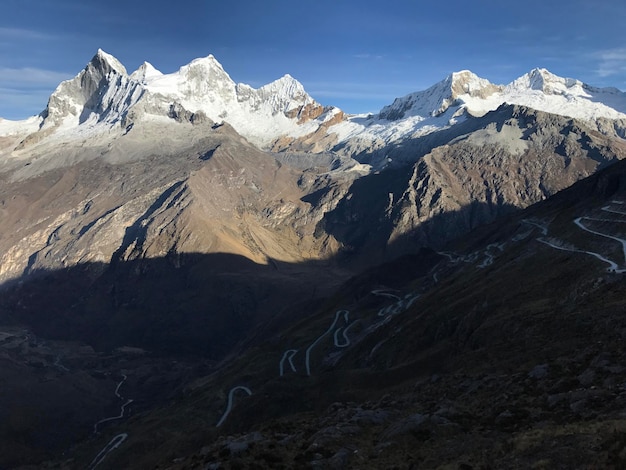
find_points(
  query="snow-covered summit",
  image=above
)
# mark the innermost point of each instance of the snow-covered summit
(261, 115)
(544, 91)
(545, 81)
(438, 98)
(145, 72)
(538, 89)
(463, 94)
(102, 95)
(104, 61)
(104, 99)
(284, 95)
(101, 92)
(200, 85)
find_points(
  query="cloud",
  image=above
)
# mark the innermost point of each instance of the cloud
(368, 56)
(23, 34)
(29, 77)
(611, 62)
(25, 91)
(20, 104)
(516, 30)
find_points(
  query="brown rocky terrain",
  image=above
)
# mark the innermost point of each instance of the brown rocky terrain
(206, 250)
(510, 158)
(504, 353)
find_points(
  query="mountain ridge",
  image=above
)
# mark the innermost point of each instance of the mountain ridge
(282, 111)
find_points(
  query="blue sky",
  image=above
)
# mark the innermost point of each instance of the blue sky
(358, 55)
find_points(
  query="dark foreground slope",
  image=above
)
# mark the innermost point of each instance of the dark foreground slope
(507, 351)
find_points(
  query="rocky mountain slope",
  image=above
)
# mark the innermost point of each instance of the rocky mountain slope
(435, 184)
(504, 350)
(510, 158)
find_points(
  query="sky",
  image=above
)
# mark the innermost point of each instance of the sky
(357, 55)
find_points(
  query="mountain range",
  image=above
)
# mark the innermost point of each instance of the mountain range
(104, 96)
(173, 243)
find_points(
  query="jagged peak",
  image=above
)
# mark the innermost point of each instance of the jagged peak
(463, 76)
(285, 84)
(434, 101)
(287, 79)
(284, 94)
(209, 61)
(145, 71)
(106, 62)
(206, 69)
(467, 82)
(542, 79)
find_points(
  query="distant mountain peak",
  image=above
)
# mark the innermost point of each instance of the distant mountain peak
(102, 89)
(144, 72)
(286, 86)
(288, 81)
(102, 95)
(208, 62)
(106, 62)
(466, 82)
(205, 76)
(436, 100)
(543, 80)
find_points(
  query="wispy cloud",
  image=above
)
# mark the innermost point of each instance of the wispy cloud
(20, 104)
(367, 56)
(29, 77)
(23, 34)
(516, 30)
(611, 62)
(25, 91)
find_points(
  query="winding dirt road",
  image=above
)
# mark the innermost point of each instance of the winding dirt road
(230, 402)
(110, 447)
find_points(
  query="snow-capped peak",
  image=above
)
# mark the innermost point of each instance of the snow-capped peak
(467, 82)
(203, 64)
(201, 81)
(102, 95)
(542, 80)
(104, 61)
(145, 72)
(288, 81)
(101, 92)
(538, 89)
(260, 114)
(284, 94)
(436, 100)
